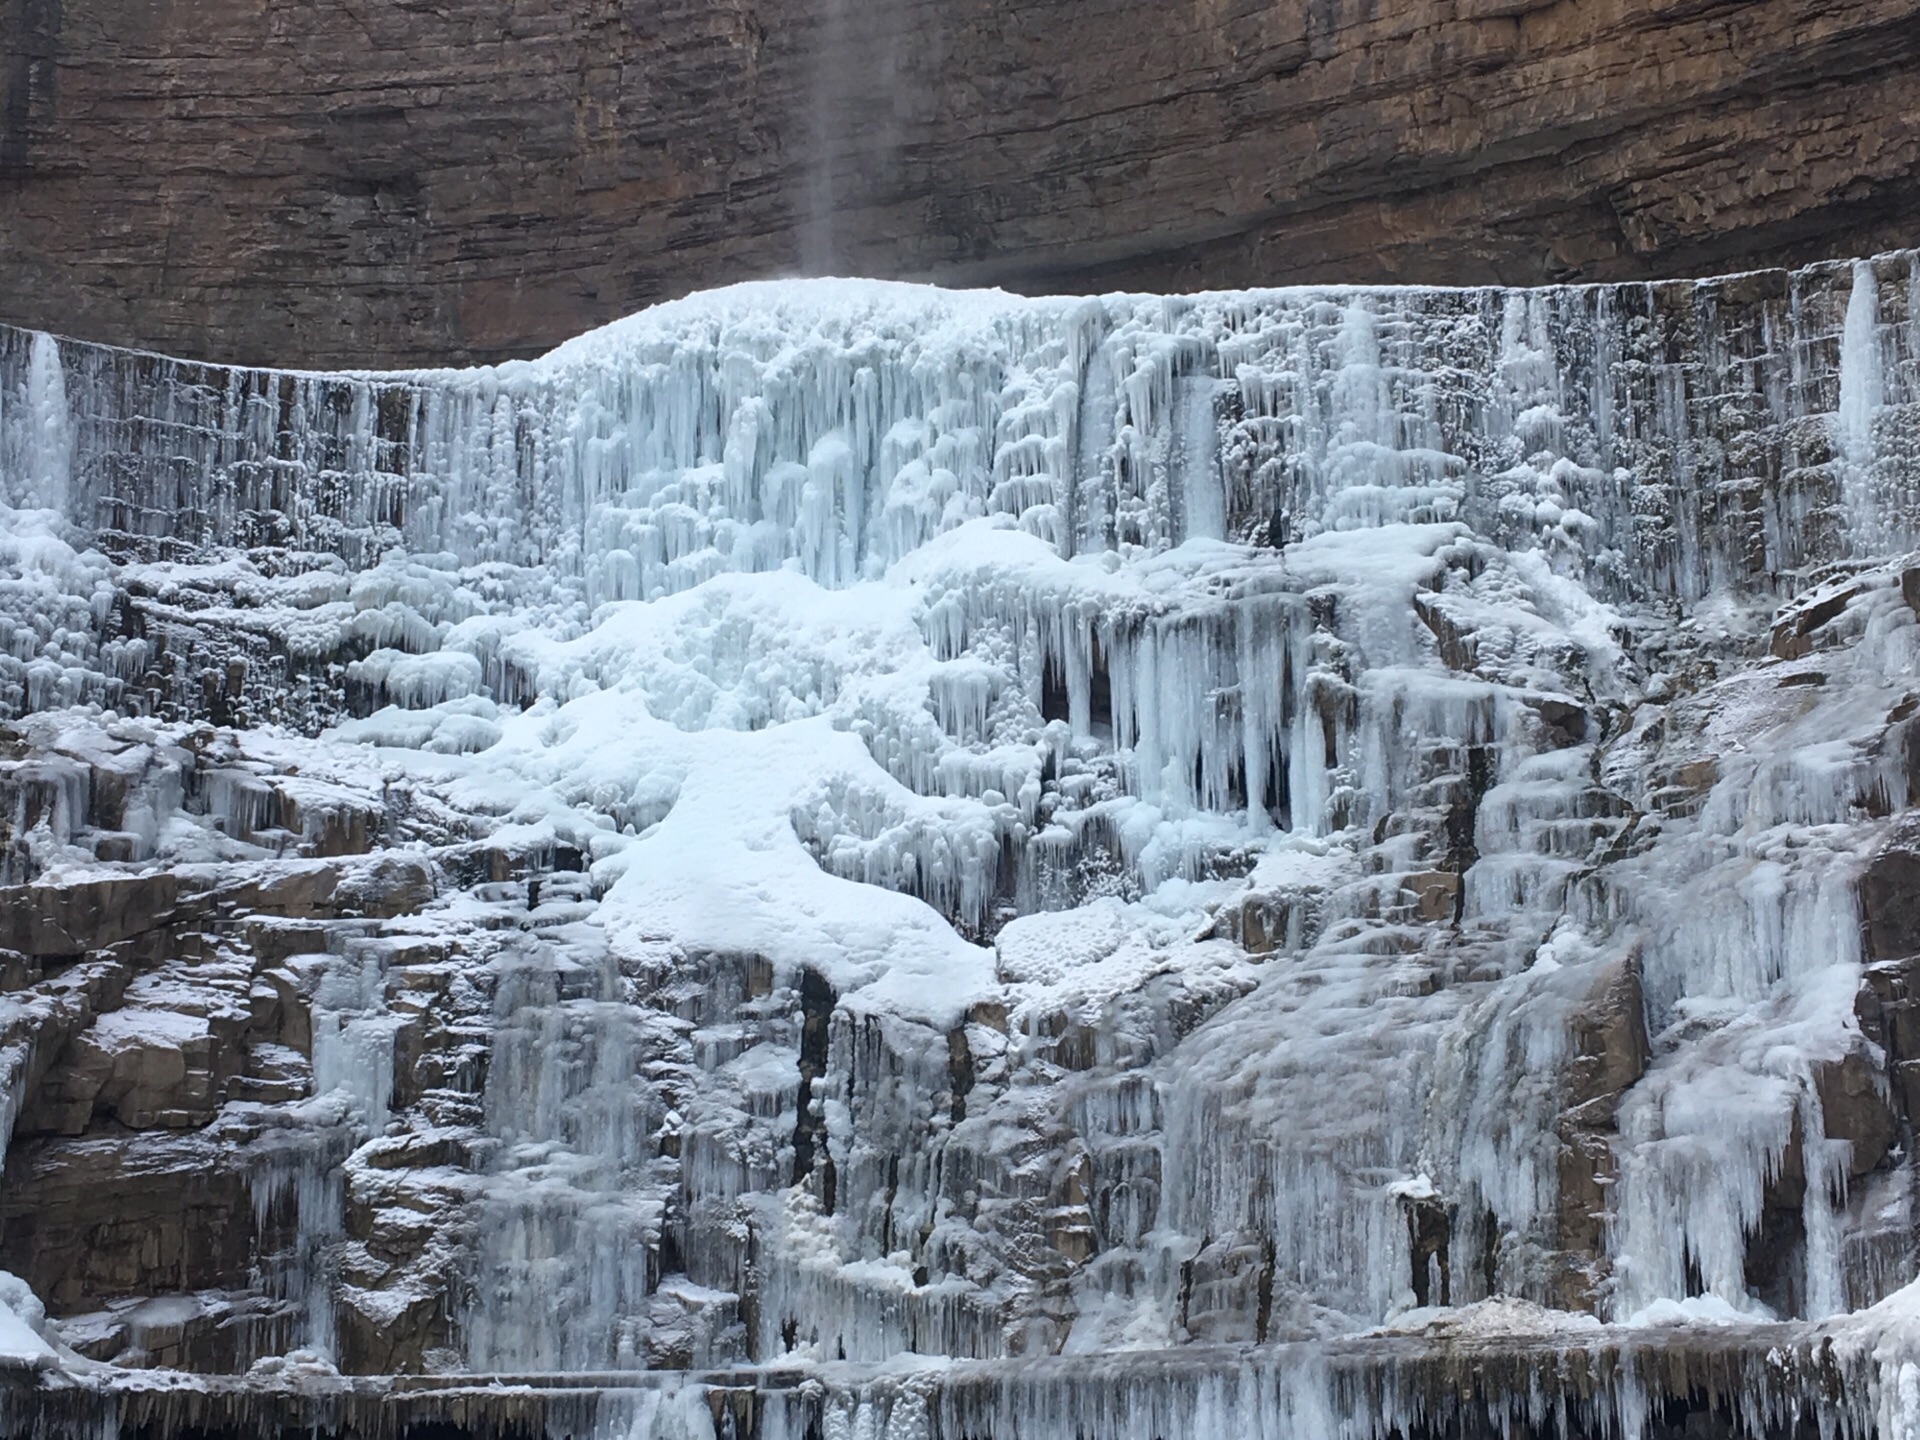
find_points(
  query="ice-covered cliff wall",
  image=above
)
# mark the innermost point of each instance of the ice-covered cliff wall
(1689, 435)
(941, 822)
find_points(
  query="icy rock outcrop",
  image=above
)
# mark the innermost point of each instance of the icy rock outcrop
(833, 822)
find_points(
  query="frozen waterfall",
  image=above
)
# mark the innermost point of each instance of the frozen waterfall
(925, 869)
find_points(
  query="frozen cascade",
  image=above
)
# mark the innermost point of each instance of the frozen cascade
(563, 1229)
(918, 865)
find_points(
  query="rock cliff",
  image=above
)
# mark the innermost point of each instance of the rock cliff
(340, 184)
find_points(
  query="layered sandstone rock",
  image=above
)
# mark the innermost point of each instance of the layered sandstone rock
(337, 184)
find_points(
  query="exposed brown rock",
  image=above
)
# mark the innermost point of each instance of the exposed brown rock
(380, 1335)
(1610, 1052)
(208, 1332)
(158, 1078)
(1682, 789)
(1454, 642)
(1565, 722)
(1792, 633)
(1890, 895)
(1854, 1108)
(124, 1215)
(332, 183)
(90, 915)
(1069, 1220)
(1889, 1005)
(990, 1013)
(1429, 1241)
(1436, 893)
(379, 889)
(1258, 922)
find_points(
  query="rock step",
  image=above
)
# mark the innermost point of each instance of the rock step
(1760, 1379)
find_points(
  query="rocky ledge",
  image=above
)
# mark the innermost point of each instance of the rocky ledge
(1457, 1382)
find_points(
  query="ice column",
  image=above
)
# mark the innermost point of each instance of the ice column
(1861, 395)
(49, 432)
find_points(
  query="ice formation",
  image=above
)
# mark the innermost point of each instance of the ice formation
(963, 826)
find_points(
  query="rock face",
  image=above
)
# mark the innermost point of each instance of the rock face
(824, 823)
(333, 184)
